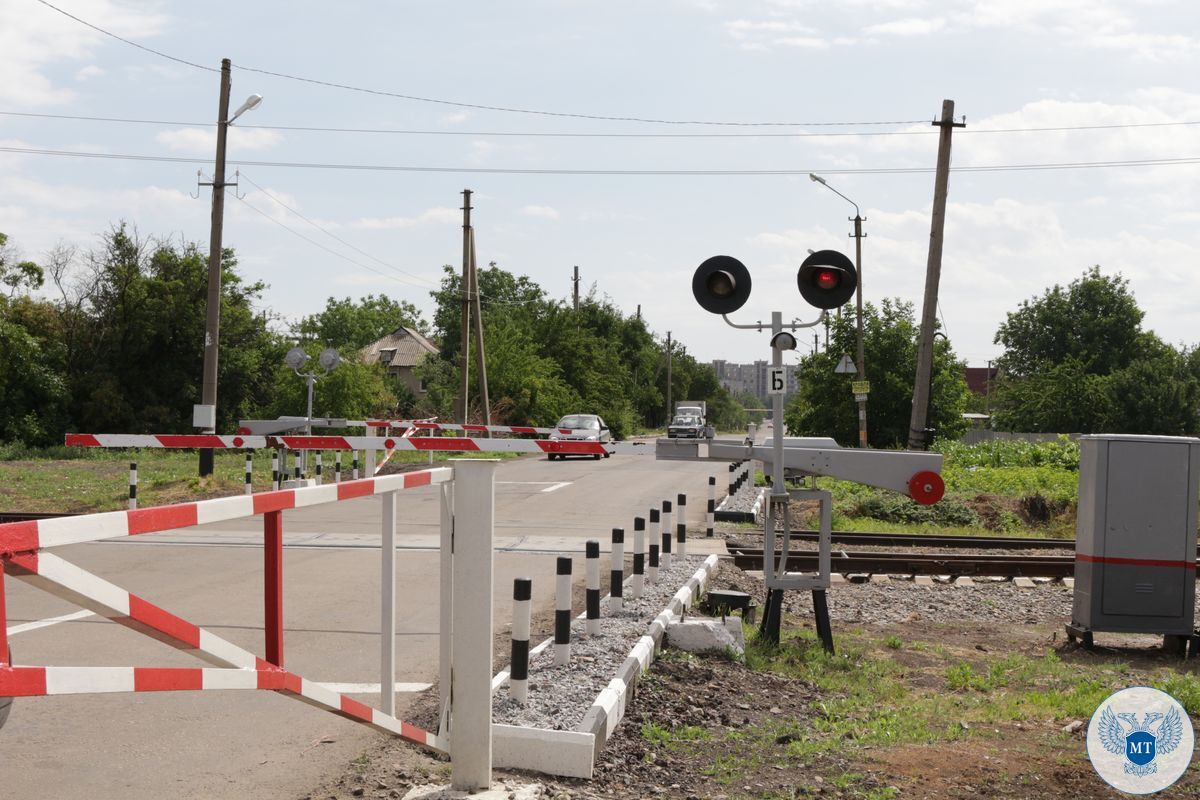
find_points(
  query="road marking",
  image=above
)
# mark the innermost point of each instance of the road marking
(46, 623)
(556, 486)
(530, 483)
(372, 688)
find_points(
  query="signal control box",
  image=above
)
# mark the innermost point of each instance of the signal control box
(1135, 535)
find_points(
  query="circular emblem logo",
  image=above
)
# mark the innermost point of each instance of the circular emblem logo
(1140, 740)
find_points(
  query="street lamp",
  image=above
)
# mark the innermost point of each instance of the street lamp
(862, 365)
(205, 414)
(328, 361)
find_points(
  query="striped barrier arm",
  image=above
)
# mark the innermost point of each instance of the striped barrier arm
(422, 443)
(29, 537)
(439, 426)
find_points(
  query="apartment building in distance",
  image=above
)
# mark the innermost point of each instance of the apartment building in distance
(749, 378)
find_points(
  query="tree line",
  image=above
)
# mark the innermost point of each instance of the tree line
(110, 340)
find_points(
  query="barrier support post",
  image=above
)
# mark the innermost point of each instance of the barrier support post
(387, 595)
(471, 688)
(273, 585)
(445, 604)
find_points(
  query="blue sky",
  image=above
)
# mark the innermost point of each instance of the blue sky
(1018, 64)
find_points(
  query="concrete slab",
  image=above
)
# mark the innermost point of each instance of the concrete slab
(963, 580)
(1022, 582)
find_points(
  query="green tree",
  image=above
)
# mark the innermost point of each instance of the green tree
(824, 404)
(349, 325)
(18, 275)
(1077, 360)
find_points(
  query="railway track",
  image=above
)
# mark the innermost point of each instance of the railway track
(29, 516)
(935, 541)
(897, 563)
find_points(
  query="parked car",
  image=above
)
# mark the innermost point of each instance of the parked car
(580, 428)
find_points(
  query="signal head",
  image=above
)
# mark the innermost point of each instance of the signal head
(721, 285)
(827, 279)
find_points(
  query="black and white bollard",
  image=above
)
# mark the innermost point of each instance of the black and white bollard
(249, 472)
(354, 467)
(667, 533)
(616, 586)
(593, 587)
(320, 479)
(275, 470)
(638, 584)
(296, 463)
(710, 518)
(132, 485)
(337, 466)
(732, 478)
(681, 525)
(562, 612)
(652, 571)
(518, 670)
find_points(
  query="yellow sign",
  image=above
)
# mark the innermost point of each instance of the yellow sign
(860, 387)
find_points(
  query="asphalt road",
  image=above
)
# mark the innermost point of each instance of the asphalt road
(238, 744)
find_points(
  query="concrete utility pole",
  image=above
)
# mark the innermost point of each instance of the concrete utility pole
(480, 357)
(575, 281)
(862, 359)
(465, 354)
(917, 439)
(212, 319)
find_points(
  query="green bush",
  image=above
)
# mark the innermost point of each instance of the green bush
(1062, 454)
(892, 507)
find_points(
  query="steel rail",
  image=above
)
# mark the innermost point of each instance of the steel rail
(891, 563)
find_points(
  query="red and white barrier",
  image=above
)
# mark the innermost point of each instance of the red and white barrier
(440, 426)
(22, 552)
(450, 444)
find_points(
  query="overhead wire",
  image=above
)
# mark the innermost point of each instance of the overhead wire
(1143, 162)
(330, 234)
(598, 135)
(129, 42)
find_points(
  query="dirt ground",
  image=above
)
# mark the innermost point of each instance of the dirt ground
(716, 697)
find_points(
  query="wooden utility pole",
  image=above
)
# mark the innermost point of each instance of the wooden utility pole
(575, 280)
(480, 358)
(917, 440)
(670, 410)
(465, 340)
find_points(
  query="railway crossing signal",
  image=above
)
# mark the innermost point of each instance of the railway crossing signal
(827, 279)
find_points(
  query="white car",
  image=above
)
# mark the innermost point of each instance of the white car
(580, 428)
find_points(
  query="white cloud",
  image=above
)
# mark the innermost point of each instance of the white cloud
(543, 212)
(203, 141)
(90, 71)
(34, 37)
(432, 216)
(912, 26)
(480, 151)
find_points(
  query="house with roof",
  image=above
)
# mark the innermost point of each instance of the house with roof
(400, 351)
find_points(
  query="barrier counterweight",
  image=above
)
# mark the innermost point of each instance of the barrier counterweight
(593, 587)
(562, 612)
(617, 571)
(518, 677)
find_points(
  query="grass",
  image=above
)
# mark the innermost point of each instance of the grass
(866, 698)
(65, 479)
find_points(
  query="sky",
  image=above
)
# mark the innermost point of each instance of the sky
(632, 139)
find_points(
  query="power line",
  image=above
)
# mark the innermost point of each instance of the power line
(1144, 162)
(330, 234)
(314, 243)
(596, 135)
(476, 106)
(127, 41)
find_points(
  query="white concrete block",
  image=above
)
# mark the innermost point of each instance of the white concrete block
(699, 635)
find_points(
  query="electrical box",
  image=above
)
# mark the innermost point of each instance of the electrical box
(1135, 534)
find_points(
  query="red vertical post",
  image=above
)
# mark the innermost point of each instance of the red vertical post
(3, 620)
(273, 585)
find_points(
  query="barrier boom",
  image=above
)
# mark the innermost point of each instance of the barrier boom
(445, 444)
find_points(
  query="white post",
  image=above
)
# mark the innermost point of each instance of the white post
(681, 525)
(562, 612)
(445, 604)
(471, 689)
(616, 587)
(387, 615)
(132, 485)
(711, 514)
(638, 584)
(652, 573)
(320, 477)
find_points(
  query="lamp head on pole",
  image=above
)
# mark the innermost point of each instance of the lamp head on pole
(817, 178)
(252, 102)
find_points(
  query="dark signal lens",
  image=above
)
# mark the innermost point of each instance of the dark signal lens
(721, 283)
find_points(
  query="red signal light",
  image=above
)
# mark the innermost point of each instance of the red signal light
(827, 279)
